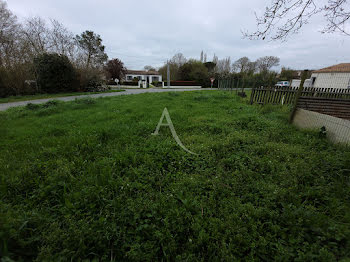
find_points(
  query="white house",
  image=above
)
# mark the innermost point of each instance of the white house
(148, 76)
(337, 76)
(296, 83)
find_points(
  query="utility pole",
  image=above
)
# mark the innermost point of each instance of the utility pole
(168, 74)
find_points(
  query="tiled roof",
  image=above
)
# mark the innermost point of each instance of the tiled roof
(139, 72)
(345, 67)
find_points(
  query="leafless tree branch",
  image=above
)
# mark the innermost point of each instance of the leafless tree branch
(286, 17)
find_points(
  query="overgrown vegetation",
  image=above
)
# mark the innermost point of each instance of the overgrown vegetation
(55, 74)
(87, 180)
(36, 56)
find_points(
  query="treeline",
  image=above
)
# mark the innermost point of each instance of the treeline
(36, 56)
(251, 73)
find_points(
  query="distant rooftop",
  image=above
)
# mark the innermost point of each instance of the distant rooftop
(140, 72)
(341, 68)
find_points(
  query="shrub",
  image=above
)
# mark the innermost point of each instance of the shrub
(55, 73)
(194, 71)
(15, 80)
(157, 83)
(32, 106)
(51, 103)
(5, 90)
(91, 80)
(133, 83)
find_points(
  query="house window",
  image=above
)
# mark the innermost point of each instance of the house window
(129, 78)
(155, 79)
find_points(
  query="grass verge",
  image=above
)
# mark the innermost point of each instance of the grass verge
(43, 96)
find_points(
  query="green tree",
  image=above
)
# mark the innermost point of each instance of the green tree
(55, 73)
(194, 71)
(287, 74)
(92, 48)
(210, 66)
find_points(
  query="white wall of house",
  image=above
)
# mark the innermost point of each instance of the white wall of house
(153, 78)
(331, 80)
(296, 83)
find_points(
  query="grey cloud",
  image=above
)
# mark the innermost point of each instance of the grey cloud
(149, 32)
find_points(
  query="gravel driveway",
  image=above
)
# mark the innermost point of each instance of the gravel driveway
(5, 106)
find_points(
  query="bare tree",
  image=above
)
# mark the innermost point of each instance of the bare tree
(241, 65)
(54, 37)
(224, 65)
(285, 17)
(202, 56)
(9, 34)
(215, 59)
(267, 62)
(252, 67)
(179, 59)
(37, 35)
(149, 68)
(61, 39)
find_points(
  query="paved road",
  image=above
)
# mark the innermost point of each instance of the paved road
(6, 106)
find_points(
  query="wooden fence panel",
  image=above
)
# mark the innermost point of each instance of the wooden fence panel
(329, 106)
(275, 95)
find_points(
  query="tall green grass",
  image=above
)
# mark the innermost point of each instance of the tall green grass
(87, 180)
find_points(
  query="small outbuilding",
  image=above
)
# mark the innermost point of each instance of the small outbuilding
(337, 76)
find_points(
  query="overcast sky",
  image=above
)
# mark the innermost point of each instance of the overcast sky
(149, 32)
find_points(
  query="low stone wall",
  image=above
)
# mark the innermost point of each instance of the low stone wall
(338, 130)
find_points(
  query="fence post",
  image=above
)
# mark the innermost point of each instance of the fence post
(252, 95)
(298, 94)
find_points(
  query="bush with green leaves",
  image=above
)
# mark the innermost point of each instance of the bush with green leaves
(55, 73)
(194, 71)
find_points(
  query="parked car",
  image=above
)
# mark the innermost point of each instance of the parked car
(282, 84)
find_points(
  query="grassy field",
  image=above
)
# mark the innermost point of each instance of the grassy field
(87, 180)
(43, 96)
